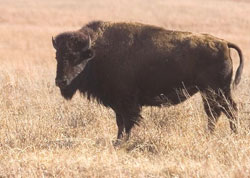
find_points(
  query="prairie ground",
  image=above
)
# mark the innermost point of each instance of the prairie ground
(42, 135)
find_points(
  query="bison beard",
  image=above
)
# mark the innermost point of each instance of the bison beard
(139, 65)
(67, 92)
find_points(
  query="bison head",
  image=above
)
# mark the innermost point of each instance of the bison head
(73, 51)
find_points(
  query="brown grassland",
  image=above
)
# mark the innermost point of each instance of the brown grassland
(42, 135)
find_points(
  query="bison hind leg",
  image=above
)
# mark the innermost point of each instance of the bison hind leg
(216, 102)
(229, 108)
(212, 110)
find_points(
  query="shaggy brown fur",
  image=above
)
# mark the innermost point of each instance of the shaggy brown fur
(134, 65)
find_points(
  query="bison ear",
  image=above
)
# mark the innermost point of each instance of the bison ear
(54, 42)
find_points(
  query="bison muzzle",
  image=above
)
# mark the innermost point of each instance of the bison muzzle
(125, 66)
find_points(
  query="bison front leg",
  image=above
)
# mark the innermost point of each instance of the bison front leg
(120, 125)
(131, 117)
(126, 119)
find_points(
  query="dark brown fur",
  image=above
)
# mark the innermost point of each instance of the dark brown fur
(139, 65)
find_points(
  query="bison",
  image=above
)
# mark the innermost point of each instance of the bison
(125, 66)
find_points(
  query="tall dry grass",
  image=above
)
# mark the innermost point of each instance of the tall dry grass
(42, 135)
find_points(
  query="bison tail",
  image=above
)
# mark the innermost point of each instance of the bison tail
(240, 68)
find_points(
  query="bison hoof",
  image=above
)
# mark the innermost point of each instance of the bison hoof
(117, 142)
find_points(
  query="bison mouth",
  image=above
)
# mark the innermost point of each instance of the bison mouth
(69, 88)
(67, 92)
(72, 84)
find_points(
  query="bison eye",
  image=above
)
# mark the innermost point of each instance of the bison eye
(87, 54)
(90, 53)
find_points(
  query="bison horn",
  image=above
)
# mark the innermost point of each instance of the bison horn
(54, 42)
(89, 43)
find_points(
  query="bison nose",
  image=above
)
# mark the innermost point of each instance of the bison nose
(61, 83)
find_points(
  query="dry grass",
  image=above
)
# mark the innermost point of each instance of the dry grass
(41, 135)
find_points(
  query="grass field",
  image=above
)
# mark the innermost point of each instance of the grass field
(42, 135)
